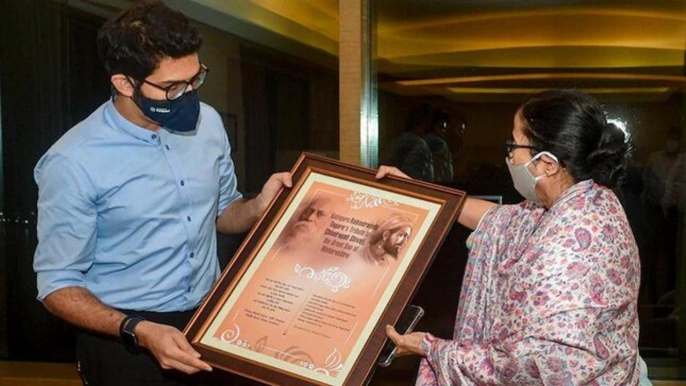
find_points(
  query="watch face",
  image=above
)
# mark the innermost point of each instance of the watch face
(130, 338)
(127, 330)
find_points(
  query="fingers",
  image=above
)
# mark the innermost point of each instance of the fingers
(173, 364)
(383, 171)
(192, 364)
(271, 188)
(171, 348)
(184, 346)
(188, 356)
(397, 339)
(389, 171)
(287, 179)
(392, 333)
(284, 178)
(181, 365)
(183, 361)
(275, 182)
(407, 344)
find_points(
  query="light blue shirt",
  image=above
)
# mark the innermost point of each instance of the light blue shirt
(130, 214)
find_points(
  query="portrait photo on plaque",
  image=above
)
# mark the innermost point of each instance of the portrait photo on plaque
(334, 259)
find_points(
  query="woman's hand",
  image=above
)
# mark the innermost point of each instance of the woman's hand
(390, 171)
(408, 344)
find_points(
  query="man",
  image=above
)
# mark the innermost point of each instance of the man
(410, 152)
(129, 203)
(388, 239)
(436, 140)
(310, 221)
(662, 182)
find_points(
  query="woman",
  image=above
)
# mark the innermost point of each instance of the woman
(550, 289)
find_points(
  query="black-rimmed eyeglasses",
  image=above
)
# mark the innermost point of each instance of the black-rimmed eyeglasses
(510, 145)
(176, 89)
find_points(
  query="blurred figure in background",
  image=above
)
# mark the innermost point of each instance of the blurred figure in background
(436, 139)
(661, 181)
(410, 152)
(657, 170)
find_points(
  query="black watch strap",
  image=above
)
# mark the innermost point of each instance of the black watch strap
(127, 328)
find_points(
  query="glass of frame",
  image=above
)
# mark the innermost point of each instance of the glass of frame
(331, 262)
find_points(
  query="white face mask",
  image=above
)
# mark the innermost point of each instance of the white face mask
(524, 181)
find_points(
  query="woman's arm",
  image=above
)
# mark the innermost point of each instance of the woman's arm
(472, 211)
(549, 352)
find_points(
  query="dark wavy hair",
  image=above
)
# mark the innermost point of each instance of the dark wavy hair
(419, 116)
(134, 42)
(572, 126)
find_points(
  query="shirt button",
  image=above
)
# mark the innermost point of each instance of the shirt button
(188, 218)
(154, 136)
(182, 183)
(192, 255)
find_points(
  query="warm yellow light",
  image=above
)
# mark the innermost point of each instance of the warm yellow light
(617, 90)
(547, 76)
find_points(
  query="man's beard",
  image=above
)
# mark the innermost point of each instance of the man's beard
(392, 249)
(303, 230)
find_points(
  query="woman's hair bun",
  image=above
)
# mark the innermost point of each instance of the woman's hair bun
(573, 126)
(608, 162)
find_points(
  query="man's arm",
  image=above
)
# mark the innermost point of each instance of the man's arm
(242, 214)
(80, 307)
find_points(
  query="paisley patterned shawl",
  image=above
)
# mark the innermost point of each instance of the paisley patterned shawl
(548, 297)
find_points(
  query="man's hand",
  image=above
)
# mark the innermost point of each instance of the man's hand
(170, 347)
(242, 214)
(390, 171)
(407, 344)
(271, 188)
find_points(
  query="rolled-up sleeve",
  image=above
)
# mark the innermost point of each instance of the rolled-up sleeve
(66, 225)
(228, 184)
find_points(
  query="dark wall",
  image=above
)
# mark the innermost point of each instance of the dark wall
(289, 106)
(50, 78)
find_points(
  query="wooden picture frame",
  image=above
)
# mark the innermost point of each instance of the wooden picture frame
(333, 260)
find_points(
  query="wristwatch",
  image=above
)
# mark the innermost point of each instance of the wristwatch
(126, 330)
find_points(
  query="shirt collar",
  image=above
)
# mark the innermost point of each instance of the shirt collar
(118, 122)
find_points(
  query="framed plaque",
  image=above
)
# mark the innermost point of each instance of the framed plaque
(335, 258)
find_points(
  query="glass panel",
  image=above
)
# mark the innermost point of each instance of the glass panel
(467, 65)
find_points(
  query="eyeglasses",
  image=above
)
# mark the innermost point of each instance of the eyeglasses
(176, 89)
(511, 145)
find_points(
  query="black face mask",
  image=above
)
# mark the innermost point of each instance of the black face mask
(180, 114)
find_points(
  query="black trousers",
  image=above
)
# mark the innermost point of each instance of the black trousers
(106, 361)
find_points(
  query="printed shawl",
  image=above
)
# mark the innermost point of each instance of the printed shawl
(548, 298)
